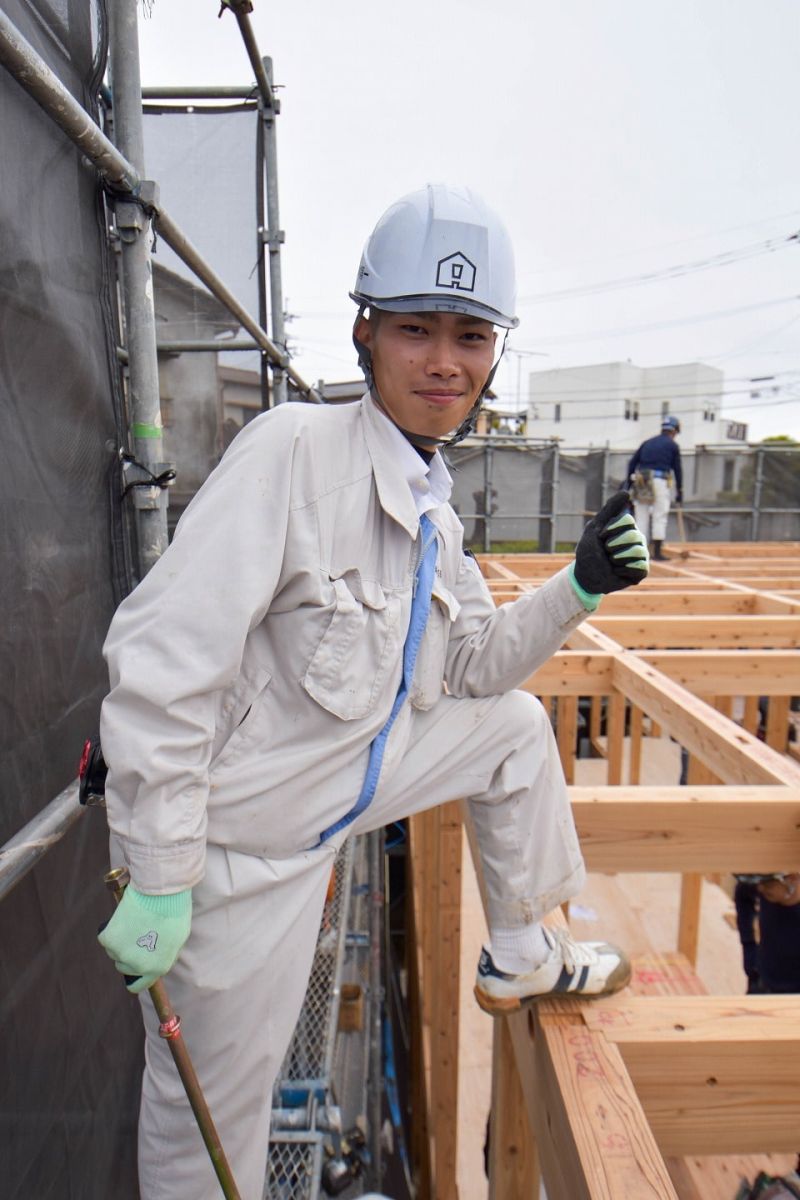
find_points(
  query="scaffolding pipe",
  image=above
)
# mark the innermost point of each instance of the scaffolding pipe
(261, 267)
(273, 235)
(198, 93)
(757, 489)
(33, 74)
(606, 475)
(133, 228)
(209, 345)
(25, 848)
(487, 498)
(554, 501)
(263, 80)
(375, 1080)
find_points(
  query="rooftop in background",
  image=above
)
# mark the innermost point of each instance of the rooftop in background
(620, 404)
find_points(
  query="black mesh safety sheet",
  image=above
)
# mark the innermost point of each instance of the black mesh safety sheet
(70, 1041)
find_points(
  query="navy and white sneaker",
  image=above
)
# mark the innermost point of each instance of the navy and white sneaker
(572, 969)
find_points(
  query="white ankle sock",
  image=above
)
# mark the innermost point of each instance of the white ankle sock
(519, 950)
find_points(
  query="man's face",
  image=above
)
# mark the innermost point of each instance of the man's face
(429, 367)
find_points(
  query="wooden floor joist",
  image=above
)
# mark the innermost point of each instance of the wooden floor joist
(706, 651)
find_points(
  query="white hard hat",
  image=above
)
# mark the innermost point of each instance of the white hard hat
(440, 249)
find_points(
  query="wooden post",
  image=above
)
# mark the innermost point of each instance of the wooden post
(420, 1140)
(567, 729)
(615, 736)
(692, 884)
(777, 734)
(635, 757)
(513, 1162)
(595, 718)
(445, 922)
(751, 715)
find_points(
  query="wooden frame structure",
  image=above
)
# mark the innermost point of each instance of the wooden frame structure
(600, 1097)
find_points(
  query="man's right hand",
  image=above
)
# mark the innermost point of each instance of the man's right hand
(146, 934)
(612, 552)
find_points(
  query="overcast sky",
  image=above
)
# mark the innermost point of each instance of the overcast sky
(618, 139)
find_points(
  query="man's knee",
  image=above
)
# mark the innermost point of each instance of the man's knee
(522, 712)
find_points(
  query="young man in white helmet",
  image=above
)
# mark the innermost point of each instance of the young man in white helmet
(278, 682)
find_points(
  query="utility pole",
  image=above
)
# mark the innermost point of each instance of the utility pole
(133, 221)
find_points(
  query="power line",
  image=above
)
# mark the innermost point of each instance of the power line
(679, 412)
(725, 259)
(657, 246)
(698, 318)
(666, 390)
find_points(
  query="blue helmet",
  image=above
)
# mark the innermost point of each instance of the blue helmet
(671, 422)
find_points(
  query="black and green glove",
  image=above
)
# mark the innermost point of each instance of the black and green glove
(146, 934)
(612, 552)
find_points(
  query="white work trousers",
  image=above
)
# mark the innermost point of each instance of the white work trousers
(658, 510)
(240, 980)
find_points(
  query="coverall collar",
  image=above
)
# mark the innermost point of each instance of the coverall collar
(407, 486)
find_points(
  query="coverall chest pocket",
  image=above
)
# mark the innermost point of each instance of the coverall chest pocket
(358, 649)
(428, 683)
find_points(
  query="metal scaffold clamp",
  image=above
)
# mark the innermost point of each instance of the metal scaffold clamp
(270, 238)
(239, 7)
(145, 484)
(133, 209)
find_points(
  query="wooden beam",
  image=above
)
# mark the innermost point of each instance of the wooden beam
(592, 1133)
(728, 672)
(683, 602)
(730, 752)
(701, 632)
(683, 829)
(714, 1075)
(574, 673)
(717, 672)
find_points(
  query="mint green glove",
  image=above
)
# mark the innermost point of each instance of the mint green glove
(146, 935)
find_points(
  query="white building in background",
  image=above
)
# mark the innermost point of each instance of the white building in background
(619, 405)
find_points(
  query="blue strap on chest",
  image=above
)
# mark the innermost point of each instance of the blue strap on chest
(420, 608)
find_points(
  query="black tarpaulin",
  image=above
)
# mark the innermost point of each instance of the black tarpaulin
(69, 1034)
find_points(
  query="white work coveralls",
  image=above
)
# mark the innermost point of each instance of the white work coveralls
(658, 511)
(250, 671)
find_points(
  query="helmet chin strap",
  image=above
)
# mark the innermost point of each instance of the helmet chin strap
(425, 440)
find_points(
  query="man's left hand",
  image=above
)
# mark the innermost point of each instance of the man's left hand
(612, 553)
(782, 891)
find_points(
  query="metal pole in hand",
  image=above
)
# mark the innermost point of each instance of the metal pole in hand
(170, 1029)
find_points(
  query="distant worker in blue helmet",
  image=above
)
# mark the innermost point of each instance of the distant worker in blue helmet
(316, 656)
(653, 472)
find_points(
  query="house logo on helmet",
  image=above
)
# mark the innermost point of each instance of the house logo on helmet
(456, 271)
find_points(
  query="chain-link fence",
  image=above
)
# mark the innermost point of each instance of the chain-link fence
(536, 496)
